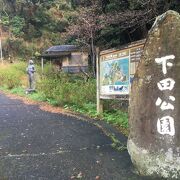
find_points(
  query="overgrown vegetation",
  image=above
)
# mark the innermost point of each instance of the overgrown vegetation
(89, 23)
(31, 26)
(61, 89)
(12, 76)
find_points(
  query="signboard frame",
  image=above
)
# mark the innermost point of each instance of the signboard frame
(133, 53)
(114, 74)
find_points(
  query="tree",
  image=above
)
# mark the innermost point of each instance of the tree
(109, 23)
(17, 24)
(84, 30)
(89, 23)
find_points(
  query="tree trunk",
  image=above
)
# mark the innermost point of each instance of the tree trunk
(93, 57)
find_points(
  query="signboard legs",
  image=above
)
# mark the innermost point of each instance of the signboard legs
(42, 64)
(99, 101)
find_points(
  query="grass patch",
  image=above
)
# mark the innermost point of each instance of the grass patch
(61, 89)
(36, 96)
(116, 117)
(18, 90)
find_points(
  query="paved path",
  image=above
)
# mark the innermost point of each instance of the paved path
(38, 145)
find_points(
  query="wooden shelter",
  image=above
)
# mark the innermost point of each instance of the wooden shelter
(68, 58)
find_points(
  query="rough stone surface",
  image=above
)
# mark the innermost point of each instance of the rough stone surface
(152, 152)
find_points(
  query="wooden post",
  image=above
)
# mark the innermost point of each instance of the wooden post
(99, 101)
(1, 53)
(42, 65)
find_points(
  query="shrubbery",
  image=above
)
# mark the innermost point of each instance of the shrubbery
(68, 89)
(61, 89)
(12, 76)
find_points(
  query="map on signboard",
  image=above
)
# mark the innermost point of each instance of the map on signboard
(115, 76)
(118, 67)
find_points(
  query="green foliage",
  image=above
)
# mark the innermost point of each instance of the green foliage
(47, 21)
(64, 5)
(32, 32)
(117, 118)
(72, 92)
(18, 91)
(69, 91)
(10, 77)
(19, 67)
(136, 4)
(116, 5)
(40, 17)
(37, 97)
(17, 24)
(5, 20)
(17, 47)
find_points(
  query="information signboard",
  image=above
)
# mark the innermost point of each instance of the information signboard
(114, 73)
(116, 69)
(135, 53)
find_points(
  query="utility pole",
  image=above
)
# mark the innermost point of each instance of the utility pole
(1, 53)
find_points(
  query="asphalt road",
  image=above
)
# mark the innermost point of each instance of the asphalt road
(39, 145)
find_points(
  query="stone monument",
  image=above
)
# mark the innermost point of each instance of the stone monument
(154, 140)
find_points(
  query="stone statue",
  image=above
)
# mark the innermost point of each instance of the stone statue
(30, 71)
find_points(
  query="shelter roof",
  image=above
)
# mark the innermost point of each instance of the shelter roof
(58, 51)
(62, 48)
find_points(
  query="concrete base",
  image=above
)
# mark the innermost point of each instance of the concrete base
(158, 164)
(28, 91)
